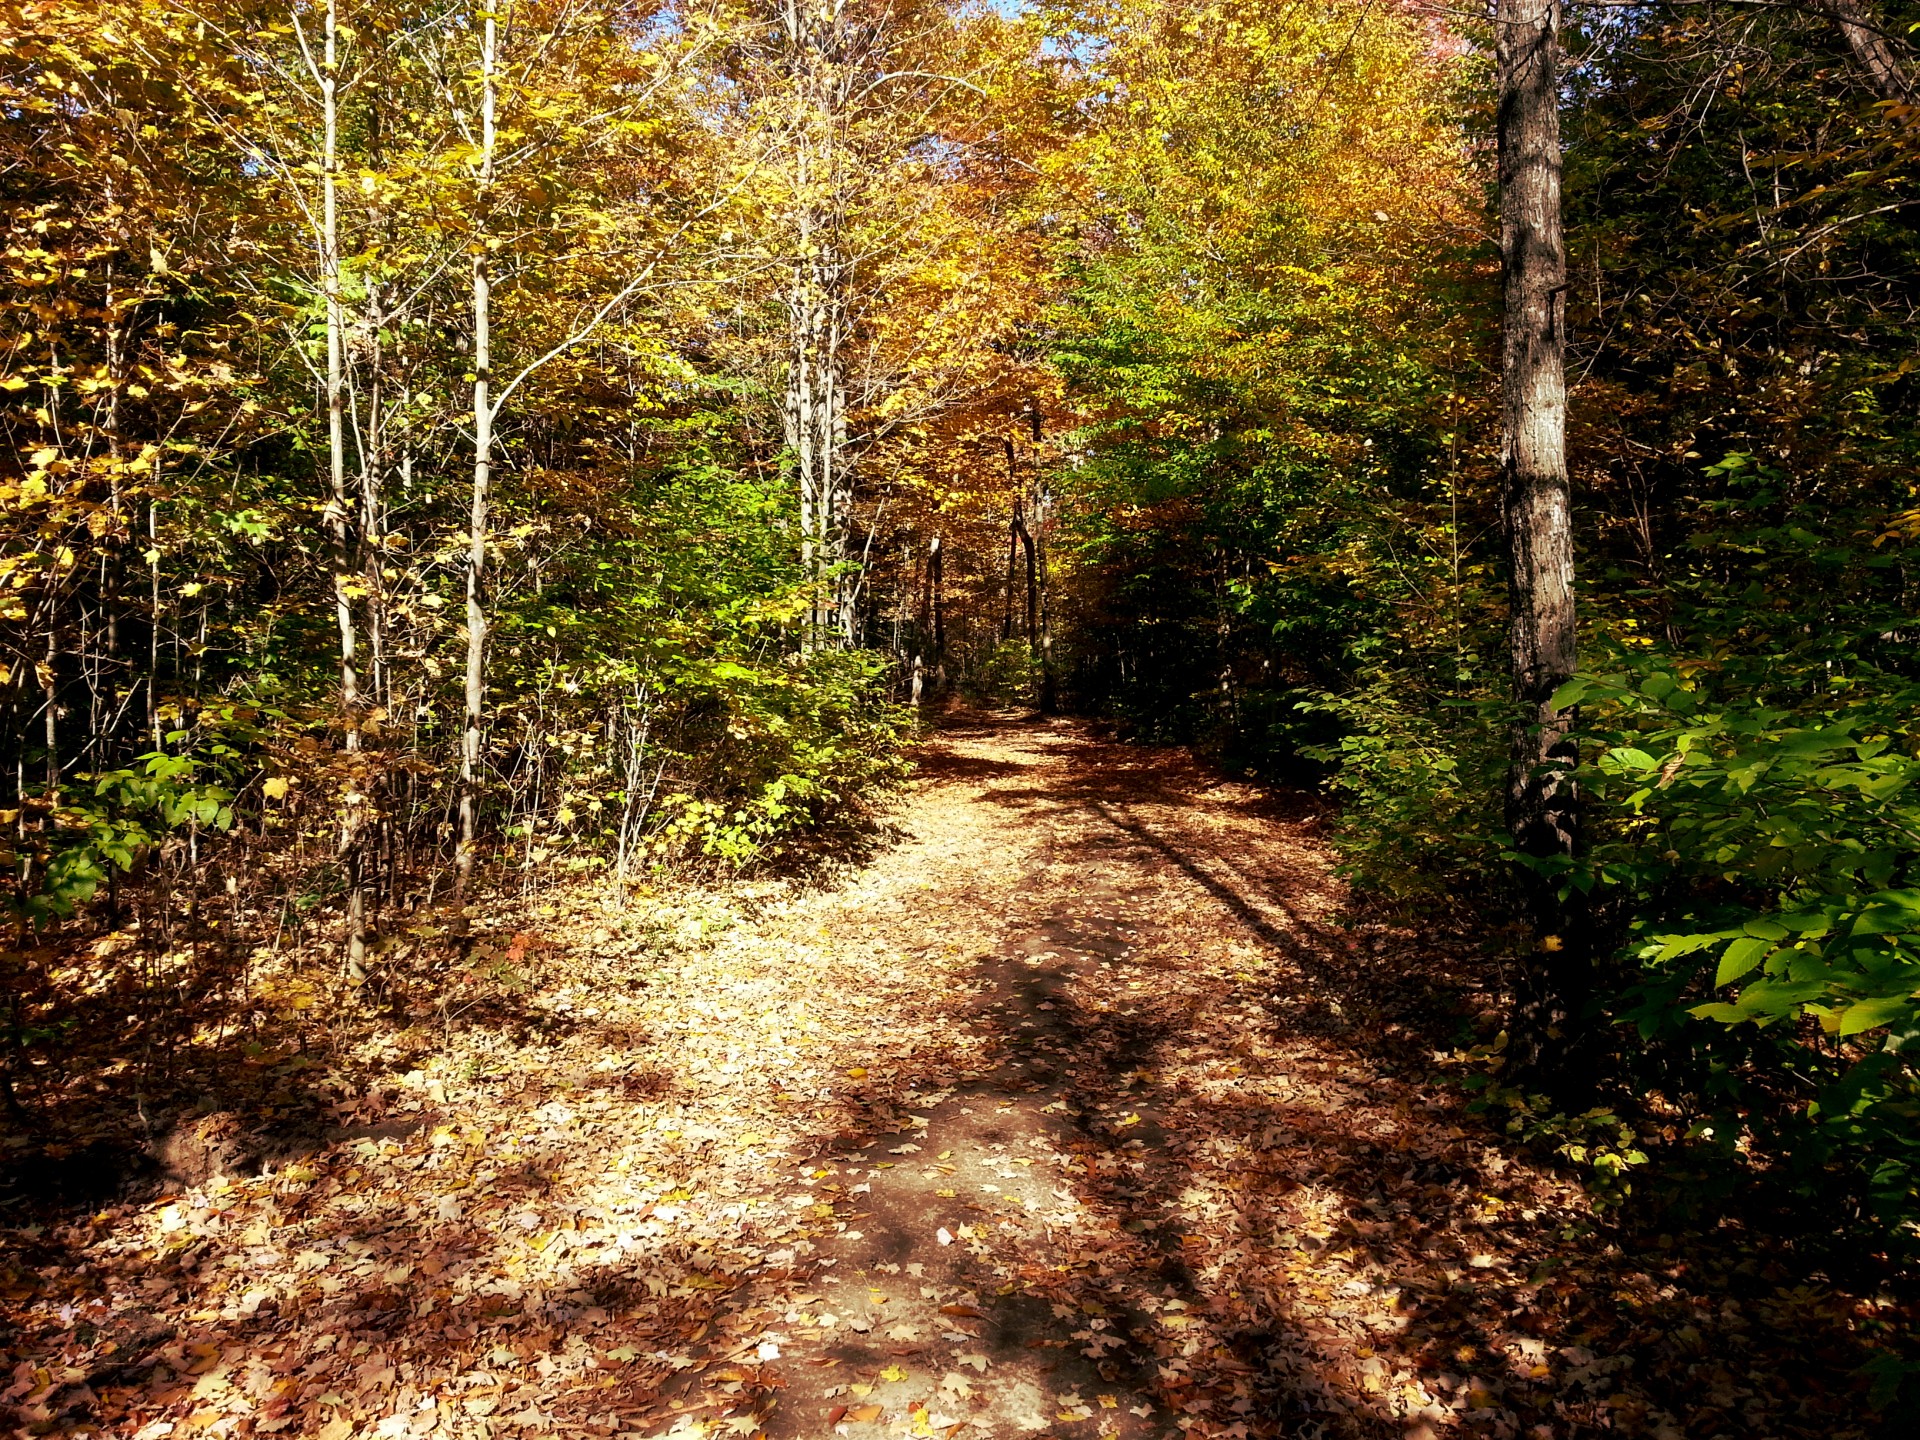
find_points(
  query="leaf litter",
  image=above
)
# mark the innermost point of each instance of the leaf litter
(1075, 1111)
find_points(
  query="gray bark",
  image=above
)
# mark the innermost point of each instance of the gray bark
(1879, 59)
(1542, 805)
(339, 512)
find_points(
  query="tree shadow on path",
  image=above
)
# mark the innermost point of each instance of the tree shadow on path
(1083, 1111)
(1212, 1188)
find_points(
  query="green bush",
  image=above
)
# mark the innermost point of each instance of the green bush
(1756, 824)
(1421, 783)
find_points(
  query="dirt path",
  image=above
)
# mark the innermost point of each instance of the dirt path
(1065, 888)
(1072, 1112)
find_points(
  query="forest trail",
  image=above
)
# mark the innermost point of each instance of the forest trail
(1071, 1111)
(1094, 915)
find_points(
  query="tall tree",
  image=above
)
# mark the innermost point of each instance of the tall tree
(1542, 803)
(325, 70)
(879, 176)
(823, 50)
(1873, 48)
(484, 409)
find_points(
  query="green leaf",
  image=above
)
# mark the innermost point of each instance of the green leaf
(1674, 946)
(1570, 693)
(1740, 957)
(1872, 1014)
(1725, 1014)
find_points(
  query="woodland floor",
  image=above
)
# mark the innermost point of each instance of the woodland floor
(1074, 1110)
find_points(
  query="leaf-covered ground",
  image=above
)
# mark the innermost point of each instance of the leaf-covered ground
(1075, 1111)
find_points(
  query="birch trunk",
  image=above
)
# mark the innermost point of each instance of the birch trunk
(339, 512)
(476, 679)
(816, 385)
(816, 438)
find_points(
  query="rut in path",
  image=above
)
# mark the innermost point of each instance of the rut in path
(1077, 1109)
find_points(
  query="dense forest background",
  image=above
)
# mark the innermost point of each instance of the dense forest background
(452, 451)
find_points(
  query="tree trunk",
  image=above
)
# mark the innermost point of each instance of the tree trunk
(50, 693)
(813, 60)
(1033, 585)
(1042, 514)
(476, 680)
(816, 437)
(1542, 807)
(937, 593)
(154, 726)
(339, 513)
(1013, 542)
(1049, 699)
(372, 443)
(1013, 571)
(1871, 48)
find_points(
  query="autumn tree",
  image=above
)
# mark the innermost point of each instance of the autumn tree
(873, 212)
(1267, 252)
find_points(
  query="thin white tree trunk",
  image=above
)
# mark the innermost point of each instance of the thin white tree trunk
(816, 387)
(339, 512)
(476, 686)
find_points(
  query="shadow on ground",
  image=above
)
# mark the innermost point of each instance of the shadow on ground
(1112, 1127)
